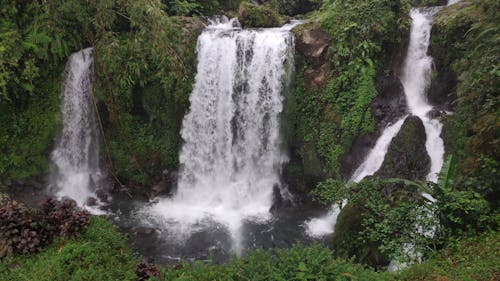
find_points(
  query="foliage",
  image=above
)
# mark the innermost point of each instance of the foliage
(63, 218)
(23, 230)
(32, 53)
(465, 37)
(145, 271)
(144, 78)
(474, 258)
(328, 119)
(20, 231)
(251, 15)
(462, 211)
(205, 7)
(296, 263)
(391, 213)
(98, 254)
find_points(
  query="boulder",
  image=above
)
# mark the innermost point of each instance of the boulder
(143, 230)
(313, 43)
(345, 242)
(388, 106)
(251, 15)
(407, 156)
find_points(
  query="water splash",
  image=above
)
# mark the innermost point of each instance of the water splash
(75, 158)
(232, 154)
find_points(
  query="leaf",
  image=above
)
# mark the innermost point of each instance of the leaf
(447, 173)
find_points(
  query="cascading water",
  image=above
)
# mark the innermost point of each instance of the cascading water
(416, 80)
(76, 155)
(232, 154)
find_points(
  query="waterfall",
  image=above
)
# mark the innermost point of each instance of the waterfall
(416, 81)
(75, 158)
(232, 154)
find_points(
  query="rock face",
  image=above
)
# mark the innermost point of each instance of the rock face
(407, 156)
(313, 45)
(388, 106)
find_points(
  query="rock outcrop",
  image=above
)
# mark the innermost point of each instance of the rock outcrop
(407, 156)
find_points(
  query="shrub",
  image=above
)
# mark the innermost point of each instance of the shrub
(63, 218)
(98, 254)
(20, 230)
(144, 271)
(23, 230)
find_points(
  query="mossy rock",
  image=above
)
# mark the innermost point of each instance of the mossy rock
(345, 238)
(251, 15)
(407, 156)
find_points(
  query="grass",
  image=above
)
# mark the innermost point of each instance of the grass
(98, 254)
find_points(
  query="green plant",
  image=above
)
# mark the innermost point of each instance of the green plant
(98, 254)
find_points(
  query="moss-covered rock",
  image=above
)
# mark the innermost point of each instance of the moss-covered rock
(407, 156)
(345, 238)
(251, 15)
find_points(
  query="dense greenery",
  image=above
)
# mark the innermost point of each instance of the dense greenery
(144, 62)
(144, 53)
(98, 254)
(465, 40)
(325, 120)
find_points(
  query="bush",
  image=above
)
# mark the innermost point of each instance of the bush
(20, 230)
(63, 218)
(23, 230)
(144, 271)
(99, 253)
(251, 15)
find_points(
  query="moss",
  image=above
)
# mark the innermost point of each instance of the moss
(251, 15)
(407, 156)
(333, 92)
(345, 238)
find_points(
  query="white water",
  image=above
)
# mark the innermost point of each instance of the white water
(76, 155)
(232, 153)
(416, 81)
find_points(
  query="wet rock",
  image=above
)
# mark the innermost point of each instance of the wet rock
(407, 156)
(144, 230)
(91, 201)
(388, 106)
(160, 188)
(390, 103)
(435, 113)
(313, 44)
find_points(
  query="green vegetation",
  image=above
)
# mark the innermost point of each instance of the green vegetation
(144, 62)
(465, 259)
(326, 119)
(465, 39)
(98, 254)
(251, 15)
